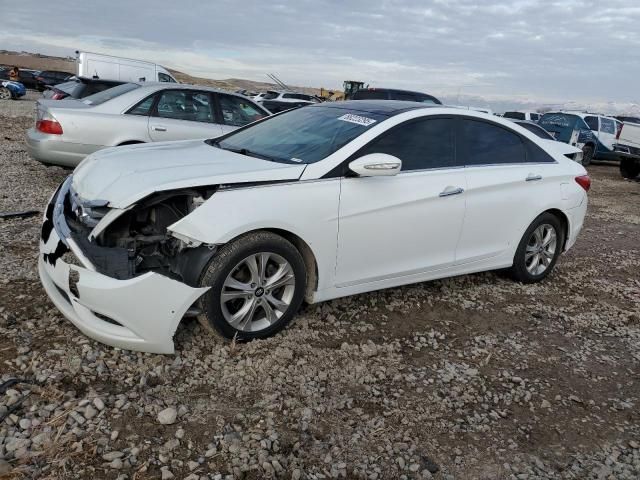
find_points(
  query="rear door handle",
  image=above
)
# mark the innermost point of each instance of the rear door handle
(447, 192)
(533, 178)
(159, 128)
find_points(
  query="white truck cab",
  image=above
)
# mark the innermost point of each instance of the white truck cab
(108, 67)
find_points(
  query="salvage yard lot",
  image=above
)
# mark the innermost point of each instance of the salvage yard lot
(470, 377)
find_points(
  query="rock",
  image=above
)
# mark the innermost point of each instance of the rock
(98, 403)
(112, 456)
(25, 424)
(116, 464)
(90, 412)
(168, 416)
(545, 404)
(166, 473)
(5, 467)
(296, 474)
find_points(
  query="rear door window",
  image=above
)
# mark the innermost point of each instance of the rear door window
(592, 122)
(420, 144)
(189, 105)
(238, 111)
(483, 143)
(607, 125)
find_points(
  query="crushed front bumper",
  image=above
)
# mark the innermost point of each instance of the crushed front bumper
(141, 313)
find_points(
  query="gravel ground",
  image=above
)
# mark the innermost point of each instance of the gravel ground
(470, 377)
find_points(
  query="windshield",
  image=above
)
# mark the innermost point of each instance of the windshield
(305, 135)
(101, 97)
(561, 125)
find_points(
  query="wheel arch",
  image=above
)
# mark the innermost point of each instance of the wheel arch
(564, 221)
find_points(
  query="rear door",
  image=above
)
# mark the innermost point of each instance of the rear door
(235, 112)
(183, 114)
(606, 135)
(507, 180)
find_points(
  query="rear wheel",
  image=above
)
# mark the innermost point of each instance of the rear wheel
(539, 249)
(257, 285)
(629, 168)
(587, 154)
(5, 93)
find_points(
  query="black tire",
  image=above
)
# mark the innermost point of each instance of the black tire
(226, 261)
(587, 154)
(629, 168)
(519, 270)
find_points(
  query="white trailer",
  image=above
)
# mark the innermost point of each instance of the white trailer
(108, 67)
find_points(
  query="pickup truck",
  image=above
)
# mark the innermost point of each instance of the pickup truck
(627, 147)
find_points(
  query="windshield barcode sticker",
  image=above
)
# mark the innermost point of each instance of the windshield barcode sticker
(349, 117)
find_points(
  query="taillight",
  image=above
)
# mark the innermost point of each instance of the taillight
(584, 181)
(58, 96)
(47, 123)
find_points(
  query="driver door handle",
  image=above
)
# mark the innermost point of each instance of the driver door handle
(532, 177)
(159, 128)
(447, 192)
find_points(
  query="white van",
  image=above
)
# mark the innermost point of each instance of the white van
(107, 67)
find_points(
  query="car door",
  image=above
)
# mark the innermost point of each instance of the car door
(183, 114)
(507, 181)
(606, 135)
(408, 224)
(236, 112)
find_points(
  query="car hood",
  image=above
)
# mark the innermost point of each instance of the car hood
(123, 175)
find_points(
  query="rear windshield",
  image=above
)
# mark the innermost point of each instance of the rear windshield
(101, 97)
(515, 115)
(304, 135)
(536, 130)
(561, 125)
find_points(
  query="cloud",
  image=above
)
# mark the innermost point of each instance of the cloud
(570, 49)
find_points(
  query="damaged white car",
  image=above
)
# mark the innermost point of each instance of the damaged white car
(313, 204)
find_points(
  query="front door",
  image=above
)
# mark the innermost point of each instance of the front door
(407, 224)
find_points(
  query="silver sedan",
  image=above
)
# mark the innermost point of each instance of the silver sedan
(66, 131)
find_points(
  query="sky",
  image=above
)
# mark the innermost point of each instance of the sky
(524, 50)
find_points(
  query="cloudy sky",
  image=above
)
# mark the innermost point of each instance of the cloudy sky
(540, 50)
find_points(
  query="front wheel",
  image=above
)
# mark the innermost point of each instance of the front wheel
(587, 154)
(5, 93)
(257, 285)
(538, 250)
(629, 168)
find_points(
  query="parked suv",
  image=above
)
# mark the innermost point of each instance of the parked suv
(594, 134)
(393, 94)
(50, 77)
(531, 116)
(79, 88)
(275, 101)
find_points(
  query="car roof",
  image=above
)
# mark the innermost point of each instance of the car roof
(397, 90)
(153, 86)
(380, 107)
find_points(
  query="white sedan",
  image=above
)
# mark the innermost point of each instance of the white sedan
(309, 205)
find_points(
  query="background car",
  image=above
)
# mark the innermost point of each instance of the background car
(26, 76)
(523, 115)
(317, 203)
(569, 151)
(394, 94)
(571, 128)
(79, 88)
(276, 101)
(11, 90)
(68, 130)
(50, 77)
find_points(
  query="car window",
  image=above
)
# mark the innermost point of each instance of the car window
(607, 125)
(535, 117)
(515, 115)
(270, 95)
(143, 108)
(536, 130)
(187, 105)
(238, 111)
(592, 122)
(163, 77)
(484, 143)
(370, 95)
(420, 144)
(288, 95)
(101, 97)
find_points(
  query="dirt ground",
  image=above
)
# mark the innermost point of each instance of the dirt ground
(474, 377)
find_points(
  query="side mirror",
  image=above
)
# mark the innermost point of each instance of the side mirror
(376, 165)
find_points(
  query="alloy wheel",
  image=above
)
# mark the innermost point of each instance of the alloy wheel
(541, 249)
(5, 93)
(257, 292)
